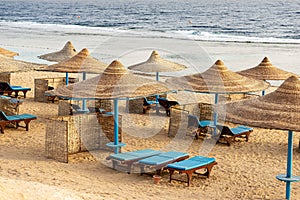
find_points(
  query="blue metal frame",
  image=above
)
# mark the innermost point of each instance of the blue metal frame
(84, 101)
(216, 115)
(115, 144)
(288, 177)
(157, 96)
(67, 78)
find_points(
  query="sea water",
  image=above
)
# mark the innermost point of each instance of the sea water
(133, 28)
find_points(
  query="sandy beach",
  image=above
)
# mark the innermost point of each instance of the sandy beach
(194, 33)
(245, 170)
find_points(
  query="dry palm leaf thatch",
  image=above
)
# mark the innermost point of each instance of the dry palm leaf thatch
(279, 109)
(157, 64)
(266, 71)
(218, 79)
(68, 51)
(115, 82)
(8, 64)
(81, 62)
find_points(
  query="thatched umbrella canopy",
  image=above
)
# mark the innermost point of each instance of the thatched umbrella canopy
(266, 71)
(8, 53)
(81, 62)
(8, 64)
(277, 110)
(68, 51)
(218, 79)
(114, 83)
(157, 64)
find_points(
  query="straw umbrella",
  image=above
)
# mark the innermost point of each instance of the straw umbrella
(8, 64)
(114, 83)
(68, 51)
(82, 62)
(218, 79)
(266, 71)
(157, 64)
(277, 110)
(8, 53)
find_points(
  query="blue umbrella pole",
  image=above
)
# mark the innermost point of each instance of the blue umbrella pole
(67, 78)
(116, 125)
(216, 115)
(84, 101)
(116, 144)
(157, 96)
(288, 177)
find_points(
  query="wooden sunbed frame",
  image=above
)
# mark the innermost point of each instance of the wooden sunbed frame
(4, 122)
(198, 131)
(5, 87)
(145, 168)
(128, 163)
(228, 137)
(190, 172)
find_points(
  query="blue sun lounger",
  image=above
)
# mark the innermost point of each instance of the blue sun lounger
(26, 118)
(5, 87)
(128, 158)
(190, 166)
(148, 105)
(159, 162)
(230, 134)
(201, 126)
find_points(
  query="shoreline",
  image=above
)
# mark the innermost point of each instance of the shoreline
(236, 55)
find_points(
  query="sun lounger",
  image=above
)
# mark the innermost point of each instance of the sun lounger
(77, 110)
(6, 88)
(148, 105)
(190, 166)
(230, 134)
(159, 162)
(99, 111)
(26, 118)
(200, 128)
(128, 158)
(167, 104)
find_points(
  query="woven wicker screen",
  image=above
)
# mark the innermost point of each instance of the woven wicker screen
(56, 141)
(73, 134)
(5, 77)
(178, 121)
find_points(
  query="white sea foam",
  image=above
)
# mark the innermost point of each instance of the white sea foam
(181, 34)
(206, 36)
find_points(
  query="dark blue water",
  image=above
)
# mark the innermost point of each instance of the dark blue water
(217, 20)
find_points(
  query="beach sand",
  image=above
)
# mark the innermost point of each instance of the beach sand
(245, 170)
